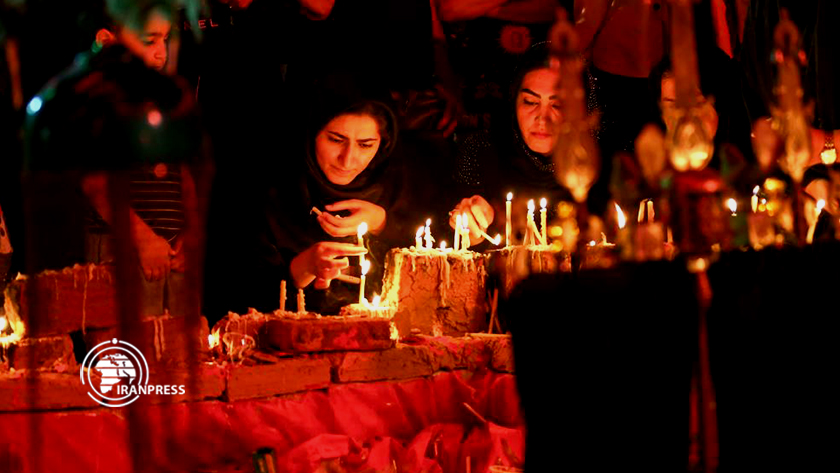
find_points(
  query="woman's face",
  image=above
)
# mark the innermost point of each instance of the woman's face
(151, 44)
(668, 104)
(345, 146)
(538, 110)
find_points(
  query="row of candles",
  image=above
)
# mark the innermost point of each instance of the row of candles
(423, 239)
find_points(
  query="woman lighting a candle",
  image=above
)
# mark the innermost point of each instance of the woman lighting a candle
(517, 156)
(345, 169)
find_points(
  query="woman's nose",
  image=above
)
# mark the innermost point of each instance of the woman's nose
(346, 156)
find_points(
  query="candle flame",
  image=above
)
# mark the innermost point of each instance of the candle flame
(510, 196)
(756, 189)
(419, 232)
(363, 228)
(443, 244)
(543, 203)
(531, 205)
(497, 240)
(465, 223)
(818, 209)
(622, 219)
(365, 267)
(733, 205)
(428, 222)
(213, 339)
(375, 302)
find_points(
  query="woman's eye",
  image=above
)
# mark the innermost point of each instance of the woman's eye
(333, 139)
(365, 145)
(529, 102)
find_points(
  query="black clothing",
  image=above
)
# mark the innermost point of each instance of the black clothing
(287, 227)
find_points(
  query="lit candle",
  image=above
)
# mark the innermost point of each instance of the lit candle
(458, 225)
(641, 217)
(283, 295)
(301, 301)
(497, 240)
(418, 238)
(732, 204)
(508, 218)
(533, 231)
(427, 236)
(365, 269)
(465, 233)
(622, 220)
(650, 212)
(813, 228)
(623, 240)
(360, 233)
(443, 244)
(543, 221)
(754, 199)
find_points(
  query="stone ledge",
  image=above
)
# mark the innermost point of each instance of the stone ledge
(166, 336)
(209, 382)
(501, 350)
(42, 353)
(68, 300)
(307, 334)
(286, 376)
(449, 353)
(55, 391)
(404, 361)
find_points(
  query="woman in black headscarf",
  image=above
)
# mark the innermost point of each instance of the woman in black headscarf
(343, 167)
(517, 156)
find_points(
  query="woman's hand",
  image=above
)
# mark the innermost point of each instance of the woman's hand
(480, 215)
(322, 262)
(360, 211)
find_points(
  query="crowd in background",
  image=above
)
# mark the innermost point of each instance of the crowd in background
(255, 89)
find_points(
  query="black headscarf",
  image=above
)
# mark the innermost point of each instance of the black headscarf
(290, 228)
(504, 161)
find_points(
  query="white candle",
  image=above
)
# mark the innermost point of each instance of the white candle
(508, 225)
(365, 269)
(754, 199)
(465, 232)
(283, 295)
(428, 234)
(531, 224)
(360, 233)
(301, 301)
(650, 213)
(809, 238)
(458, 224)
(543, 221)
(622, 220)
(418, 238)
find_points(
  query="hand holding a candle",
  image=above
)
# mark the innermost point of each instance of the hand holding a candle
(360, 211)
(479, 214)
(322, 262)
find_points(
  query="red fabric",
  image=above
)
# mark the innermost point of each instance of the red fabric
(420, 424)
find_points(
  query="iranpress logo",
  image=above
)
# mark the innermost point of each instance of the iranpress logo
(123, 374)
